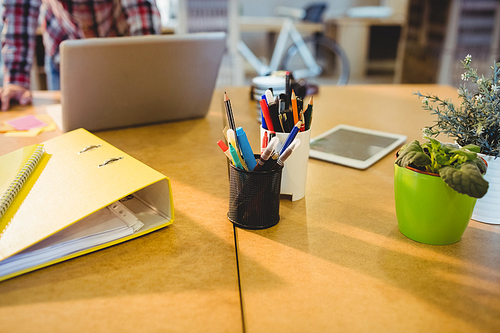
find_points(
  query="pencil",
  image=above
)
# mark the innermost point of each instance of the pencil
(229, 112)
(308, 114)
(294, 108)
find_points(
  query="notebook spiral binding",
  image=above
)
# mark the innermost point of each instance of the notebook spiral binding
(18, 182)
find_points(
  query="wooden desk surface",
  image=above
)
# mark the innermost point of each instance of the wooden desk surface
(336, 261)
(182, 278)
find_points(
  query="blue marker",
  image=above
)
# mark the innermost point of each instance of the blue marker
(245, 148)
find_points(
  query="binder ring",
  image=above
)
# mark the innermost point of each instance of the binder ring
(109, 161)
(88, 148)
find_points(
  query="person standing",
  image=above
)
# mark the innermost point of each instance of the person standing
(61, 20)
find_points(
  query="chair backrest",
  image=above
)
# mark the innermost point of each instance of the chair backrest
(314, 12)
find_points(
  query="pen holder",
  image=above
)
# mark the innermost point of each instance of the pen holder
(293, 180)
(254, 198)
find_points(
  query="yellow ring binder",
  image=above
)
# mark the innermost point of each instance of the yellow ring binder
(109, 161)
(89, 148)
(64, 214)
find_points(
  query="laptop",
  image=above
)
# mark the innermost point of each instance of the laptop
(119, 82)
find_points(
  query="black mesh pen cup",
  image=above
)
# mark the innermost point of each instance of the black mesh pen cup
(254, 198)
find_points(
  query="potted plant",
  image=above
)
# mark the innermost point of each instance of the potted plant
(436, 186)
(475, 121)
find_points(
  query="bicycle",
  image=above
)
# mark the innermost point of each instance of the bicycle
(305, 58)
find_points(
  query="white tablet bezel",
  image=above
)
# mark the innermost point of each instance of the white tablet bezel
(330, 157)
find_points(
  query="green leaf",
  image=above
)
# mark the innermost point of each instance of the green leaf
(447, 147)
(481, 165)
(436, 145)
(473, 148)
(443, 159)
(469, 155)
(466, 179)
(413, 154)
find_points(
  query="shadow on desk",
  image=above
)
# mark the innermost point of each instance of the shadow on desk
(168, 261)
(364, 240)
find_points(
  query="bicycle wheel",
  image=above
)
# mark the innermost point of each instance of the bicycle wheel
(328, 55)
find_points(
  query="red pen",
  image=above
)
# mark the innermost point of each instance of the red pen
(265, 140)
(267, 116)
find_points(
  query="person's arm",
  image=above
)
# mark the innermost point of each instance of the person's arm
(18, 46)
(143, 17)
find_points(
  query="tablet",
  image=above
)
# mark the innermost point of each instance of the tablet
(354, 146)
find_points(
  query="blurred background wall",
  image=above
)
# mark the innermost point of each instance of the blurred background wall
(417, 41)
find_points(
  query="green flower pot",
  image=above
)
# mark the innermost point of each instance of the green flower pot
(428, 210)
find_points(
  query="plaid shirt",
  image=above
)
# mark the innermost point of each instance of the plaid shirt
(67, 19)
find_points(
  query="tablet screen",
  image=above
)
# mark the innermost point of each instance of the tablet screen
(350, 144)
(354, 146)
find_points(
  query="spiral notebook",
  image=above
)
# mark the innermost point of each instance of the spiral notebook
(22, 164)
(68, 197)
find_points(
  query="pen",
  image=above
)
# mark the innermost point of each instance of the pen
(225, 149)
(280, 117)
(300, 105)
(283, 157)
(245, 148)
(231, 138)
(273, 109)
(236, 159)
(266, 153)
(303, 126)
(283, 105)
(271, 162)
(282, 109)
(286, 122)
(273, 112)
(269, 96)
(287, 89)
(265, 113)
(289, 119)
(291, 136)
(265, 141)
(263, 120)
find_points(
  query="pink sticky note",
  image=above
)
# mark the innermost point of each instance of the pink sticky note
(26, 123)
